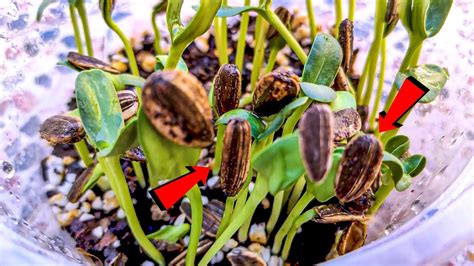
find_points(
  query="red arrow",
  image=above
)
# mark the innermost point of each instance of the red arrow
(168, 194)
(409, 94)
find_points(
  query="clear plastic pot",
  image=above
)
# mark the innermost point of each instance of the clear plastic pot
(431, 222)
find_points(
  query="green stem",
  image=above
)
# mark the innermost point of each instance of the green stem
(137, 168)
(258, 194)
(276, 210)
(380, 196)
(302, 219)
(228, 209)
(244, 230)
(241, 197)
(296, 193)
(271, 59)
(113, 170)
(378, 97)
(156, 31)
(312, 23)
(246, 100)
(286, 196)
(218, 150)
(375, 48)
(338, 8)
(242, 42)
(363, 78)
(223, 36)
(291, 122)
(75, 26)
(83, 151)
(194, 196)
(352, 7)
(297, 210)
(85, 24)
(221, 51)
(261, 28)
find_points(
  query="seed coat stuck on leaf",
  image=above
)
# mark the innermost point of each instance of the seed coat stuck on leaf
(346, 39)
(62, 129)
(358, 168)
(285, 16)
(227, 88)
(176, 104)
(346, 124)
(235, 156)
(128, 103)
(316, 141)
(85, 62)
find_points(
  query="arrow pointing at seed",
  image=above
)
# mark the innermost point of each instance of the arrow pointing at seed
(409, 94)
(168, 194)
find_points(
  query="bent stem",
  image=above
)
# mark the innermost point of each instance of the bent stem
(83, 151)
(378, 97)
(380, 196)
(291, 122)
(312, 23)
(85, 24)
(271, 59)
(137, 168)
(228, 209)
(258, 194)
(218, 150)
(338, 9)
(302, 219)
(156, 31)
(296, 193)
(261, 28)
(276, 210)
(113, 170)
(194, 196)
(75, 26)
(283, 231)
(244, 23)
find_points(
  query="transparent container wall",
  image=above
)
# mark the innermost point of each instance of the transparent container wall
(33, 87)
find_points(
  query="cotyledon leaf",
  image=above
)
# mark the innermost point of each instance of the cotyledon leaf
(161, 63)
(414, 164)
(344, 100)
(398, 145)
(318, 93)
(395, 167)
(255, 122)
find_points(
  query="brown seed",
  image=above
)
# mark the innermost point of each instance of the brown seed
(274, 91)
(147, 61)
(353, 238)
(285, 16)
(62, 129)
(85, 62)
(128, 103)
(331, 214)
(241, 256)
(316, 137)
(358, 168)
(135, 154)
(341, 82)
(176, 104)
(391, 16)
(76, 190)
(227, 88)
(235, 156)
(346, 124)
(346, 39)
(364, 116)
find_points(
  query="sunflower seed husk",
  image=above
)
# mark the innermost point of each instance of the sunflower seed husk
(285, 16)
(364, 116)
(316, 141)
(331, 214)
(176, 104)
(353, 238)
(203, 246)
(346, 124)
(135, 154)
(391, 16)
(211, 216)
(346, 40)
(241, 256)
(358, 168)
(128, 103)
(76, 190)
(62, 129)
(227, 88)
(84, 62)
(274, 91)
(341, 82)
(235, 156)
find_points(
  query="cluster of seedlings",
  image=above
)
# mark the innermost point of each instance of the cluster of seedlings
(309, 141)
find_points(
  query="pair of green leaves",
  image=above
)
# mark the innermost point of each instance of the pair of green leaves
(424, 18)
(432, 76)
(256, 123)
(397, 166)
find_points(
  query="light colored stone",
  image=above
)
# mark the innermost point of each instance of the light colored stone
(120, 214)
(275, 261)
(65, 219)
(116, 243)
(97, 204)
(98, 232)
(266, 253)
(265, 203)
(89, 195)
(202, 44)
(109, 194)
(180, 220)
(258, 234)
(218, 257)
(71, 206)
(65, 188)
(230, 244)
(110, 204)
(70, 177)
(148, 263)
(58, 199)
(205, 200)
(213, 182)
(86, 217)
(256, 248)
(251, 186)
(85, 207)
(67, 160)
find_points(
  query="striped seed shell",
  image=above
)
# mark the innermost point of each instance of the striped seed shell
(358, 168)
(62, 129)
(176, 104)
(285, 16)
(346, 123)
(85, 62)
(235, 156)
(391, 16)
(227, 88)
(241, 256)
(128, 103)
(353, 238)
(316, 141)
(274, 91)
(346, 39)
(76, 190)
(341, 82)
(332, 213)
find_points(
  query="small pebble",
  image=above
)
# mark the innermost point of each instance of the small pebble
(258, 234)
(120, 214)
(67, 160)
(98, 232)
(265, 203)
(213, 182)
(55, 209)
(110, 204)
(205, 200)
(180, 220)
(65, 219)
(119, 65)
(230, 244)
(65, 188)
(71, 206)
(54, 178)
(251, 185)
(97, 204)
(109, 195)
(89, 195)
(58, 199)
(275, 261)
(218, 257)
(116, 243)
(71, 177)
(186, 241)
(255, 248)
(85, 207)
(86, 217)
(157, 214)
(266, 253)
(148, 263)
